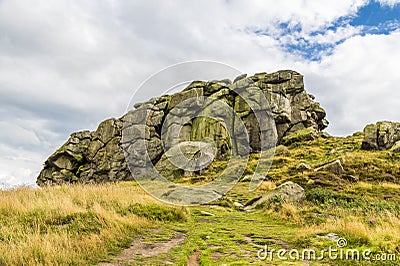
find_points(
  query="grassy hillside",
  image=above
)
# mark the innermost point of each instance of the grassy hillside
(85, 225)
(75, 225)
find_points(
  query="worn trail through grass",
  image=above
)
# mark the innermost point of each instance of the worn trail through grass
(229, 236)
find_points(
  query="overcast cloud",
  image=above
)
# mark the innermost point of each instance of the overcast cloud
(67, 65)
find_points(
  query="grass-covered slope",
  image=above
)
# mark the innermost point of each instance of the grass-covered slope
(75, 225)
(364, 208)
(85, 225)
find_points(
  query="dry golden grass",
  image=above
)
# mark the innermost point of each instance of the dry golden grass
(382, 233)
(73, 225)
(286, 212)
(381, 184)
(266, 186)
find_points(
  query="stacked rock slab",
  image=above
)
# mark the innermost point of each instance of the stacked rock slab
(381, 136)
(102, 155)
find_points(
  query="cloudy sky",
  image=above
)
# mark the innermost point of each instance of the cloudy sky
(67, 65)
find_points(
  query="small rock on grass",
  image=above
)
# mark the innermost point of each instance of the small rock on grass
(330, 236)
(334, 167)
(303, 167)
(350, 178)
(204, 213)
(238, 205)
(288, 191)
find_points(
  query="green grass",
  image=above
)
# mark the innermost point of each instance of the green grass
(84, 225)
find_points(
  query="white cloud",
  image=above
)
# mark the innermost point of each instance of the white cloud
(17, 135)
(390, 3)
(358, 83)
(333, 36)
(19, 166)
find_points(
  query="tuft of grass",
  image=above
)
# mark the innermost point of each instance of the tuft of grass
(154, 212)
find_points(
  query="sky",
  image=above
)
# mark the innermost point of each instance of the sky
(67, 65)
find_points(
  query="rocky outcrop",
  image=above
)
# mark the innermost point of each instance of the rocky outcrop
(147, 133)
(88, 157)
(381, 136)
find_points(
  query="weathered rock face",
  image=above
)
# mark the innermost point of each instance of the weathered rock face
(381, 136)
(192, 156)
(169, 120)
(88, 157)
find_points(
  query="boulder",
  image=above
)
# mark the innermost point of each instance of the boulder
(303, 167)
(288, 192)
(185, 159)
(333, 167)
(381, 136)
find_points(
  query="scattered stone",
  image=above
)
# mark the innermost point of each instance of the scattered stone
(288, 191)
(351, 178)
(334, 167)
(204, 213)
(386, 197)
(303, 167)
(330, 236)
(238, 205)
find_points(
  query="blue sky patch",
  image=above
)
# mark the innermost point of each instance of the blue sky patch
(375, 14)
(373, 18)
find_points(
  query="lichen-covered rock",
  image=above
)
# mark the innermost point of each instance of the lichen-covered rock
(120, 147)
(185, 159)
(288, 192)
(381, 136)
(333, 167)
(88, 157)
